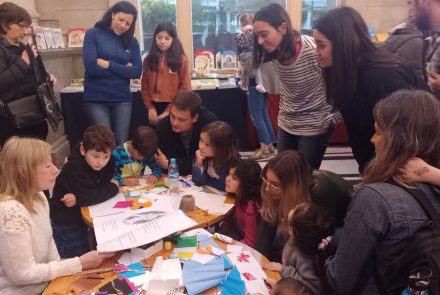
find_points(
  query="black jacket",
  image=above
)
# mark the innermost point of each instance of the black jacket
(16, 76)
(90, 187)
(170, 142)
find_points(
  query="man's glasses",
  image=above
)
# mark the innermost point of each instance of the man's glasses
(274, 188)
(23, 25)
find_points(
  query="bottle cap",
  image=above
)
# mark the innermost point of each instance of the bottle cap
(172, 160)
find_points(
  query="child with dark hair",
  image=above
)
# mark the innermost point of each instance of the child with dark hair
(86, 179)
(289, 286)
(244, 181)
(218, 151)
(135, 155)
(166, 72)
(311, 231)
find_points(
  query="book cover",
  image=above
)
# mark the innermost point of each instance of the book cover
(75, 37)
(203, 61)
(48, 37)
(39, 37)
(57, 38)
(229, 59)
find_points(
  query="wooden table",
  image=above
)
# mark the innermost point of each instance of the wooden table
(63, 285)
(202, 218)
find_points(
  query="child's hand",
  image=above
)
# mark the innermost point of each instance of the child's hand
(151, 179)
(270, 283)
(115, 182)
(417, 170)
(152, 116)
(161, 159)
(274, 266)
(69, 200)
(199, 159)
(131, 181)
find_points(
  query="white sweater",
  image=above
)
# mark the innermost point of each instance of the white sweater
(28, 255)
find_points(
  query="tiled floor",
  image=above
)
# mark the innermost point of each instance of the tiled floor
(338, 159)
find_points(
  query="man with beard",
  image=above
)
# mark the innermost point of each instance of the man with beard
(427, 18)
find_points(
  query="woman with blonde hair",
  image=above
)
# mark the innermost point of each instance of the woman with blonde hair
(28, 255)
(288, 180)
(384, 216)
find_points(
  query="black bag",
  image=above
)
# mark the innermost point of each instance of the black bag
(23, 112)
(45, 93)
(422, 250)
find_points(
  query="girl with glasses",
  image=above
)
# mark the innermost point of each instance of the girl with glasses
(288, 180)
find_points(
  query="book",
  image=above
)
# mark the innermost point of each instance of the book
(57, 38)
(39, 37)
(203, 61)
(48, 37)
(75, 37)
(229, 59)
(203, 84)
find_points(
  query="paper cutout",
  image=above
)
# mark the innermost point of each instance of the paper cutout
(199, 277)
(249, 276)
(135, 266)
(123, 204)
(232, 283)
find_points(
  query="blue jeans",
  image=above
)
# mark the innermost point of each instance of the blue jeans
(311, 147)
(257, 104)
(115, 115)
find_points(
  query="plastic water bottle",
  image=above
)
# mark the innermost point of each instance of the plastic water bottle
(173, 177)
(418, 281)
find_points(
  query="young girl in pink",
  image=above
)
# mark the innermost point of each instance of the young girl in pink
(244, 181)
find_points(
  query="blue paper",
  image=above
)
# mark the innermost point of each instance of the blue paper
(199, 277)
(135, 266)
(205, 240)
(227, 263)
(232, 284)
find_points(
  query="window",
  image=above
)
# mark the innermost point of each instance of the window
(312, 10)
(215, 22)
(154, 12)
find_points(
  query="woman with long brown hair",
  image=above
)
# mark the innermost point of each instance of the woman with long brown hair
(288, 180)
(383, 217)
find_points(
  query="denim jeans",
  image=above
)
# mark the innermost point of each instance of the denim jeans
(257, 104)
(311, 147)
(115, 115)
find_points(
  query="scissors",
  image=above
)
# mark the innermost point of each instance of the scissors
(120, 268)
(206, 250)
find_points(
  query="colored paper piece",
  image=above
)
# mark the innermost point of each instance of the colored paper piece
(196, 232)
(185, 242)
(117, 286)
(233, 248)
(140, 280)
(199, 277)
(123, 204)
(139, 270)
(232, 284)
(249, 276)
(107, 207)
(186, 255)
(206, 240)
(227, 262)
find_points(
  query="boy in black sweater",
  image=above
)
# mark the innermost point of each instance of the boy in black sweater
(86, 179)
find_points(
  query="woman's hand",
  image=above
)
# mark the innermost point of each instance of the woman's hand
(93, 259)
(417, 170)
(198, 162)
(152, 116)
(103, 63)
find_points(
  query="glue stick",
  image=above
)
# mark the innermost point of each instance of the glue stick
(223, 238)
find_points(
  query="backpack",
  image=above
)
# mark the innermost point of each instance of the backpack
(422, 250)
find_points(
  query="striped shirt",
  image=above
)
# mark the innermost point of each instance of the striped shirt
(304, 110)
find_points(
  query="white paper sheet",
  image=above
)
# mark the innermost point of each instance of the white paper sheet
(247, 264)
(214, 204)
(202, 258)
(148, 232)
(106, 208)
(233, 248)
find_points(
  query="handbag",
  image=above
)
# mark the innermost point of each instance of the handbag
(45, 93)
(23, 112)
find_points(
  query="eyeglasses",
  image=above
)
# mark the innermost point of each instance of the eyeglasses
(23, 25)
(274, 188)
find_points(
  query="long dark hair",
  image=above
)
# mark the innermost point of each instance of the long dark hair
(352, 49)
(275, 15)
(410, 122)
(106, 21)
(224, 144)
(173, 56)
(249, 174)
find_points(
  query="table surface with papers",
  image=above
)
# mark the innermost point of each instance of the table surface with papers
(64, 285)
(201, 217)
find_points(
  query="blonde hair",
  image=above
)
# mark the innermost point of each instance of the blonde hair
(410, 120)
(19, 159)
(246, 19)
(296, 182)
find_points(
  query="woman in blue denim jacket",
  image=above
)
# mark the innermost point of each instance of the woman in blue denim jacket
(382, 217)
